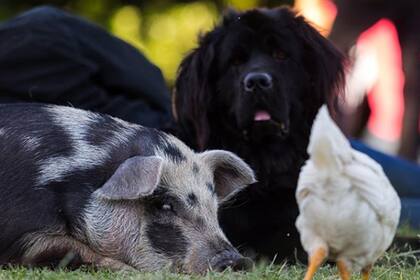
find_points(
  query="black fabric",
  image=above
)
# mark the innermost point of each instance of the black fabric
(50, 56)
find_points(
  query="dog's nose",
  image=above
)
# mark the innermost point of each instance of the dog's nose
(255, 80)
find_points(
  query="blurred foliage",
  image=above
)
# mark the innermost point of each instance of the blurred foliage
(163, 30)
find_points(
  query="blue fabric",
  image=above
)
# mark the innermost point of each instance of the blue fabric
(404, 176)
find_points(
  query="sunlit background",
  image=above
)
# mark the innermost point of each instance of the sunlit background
(166, 30)
(163, 30)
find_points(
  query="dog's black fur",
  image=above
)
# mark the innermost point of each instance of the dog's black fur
(216, 107)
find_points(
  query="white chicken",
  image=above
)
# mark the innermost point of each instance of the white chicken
(349, 211)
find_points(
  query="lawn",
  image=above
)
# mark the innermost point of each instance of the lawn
(404, 266)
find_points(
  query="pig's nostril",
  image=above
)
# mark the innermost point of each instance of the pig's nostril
(224, 266)
(243, 264)
(231, 260)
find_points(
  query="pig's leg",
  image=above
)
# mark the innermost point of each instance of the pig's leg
(43, 247)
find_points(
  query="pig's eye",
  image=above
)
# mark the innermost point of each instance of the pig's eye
(166, 207)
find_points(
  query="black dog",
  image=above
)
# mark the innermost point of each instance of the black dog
(253, 86)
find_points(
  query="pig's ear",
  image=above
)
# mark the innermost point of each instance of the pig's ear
(135, 178)
(231, 174)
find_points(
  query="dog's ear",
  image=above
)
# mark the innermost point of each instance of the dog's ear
(193, 92)
(324, 62)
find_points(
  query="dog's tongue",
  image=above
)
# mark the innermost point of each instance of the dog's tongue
(262, 116)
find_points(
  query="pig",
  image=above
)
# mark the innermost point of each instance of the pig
(110, 194)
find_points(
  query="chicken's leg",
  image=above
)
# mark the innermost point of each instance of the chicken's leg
(315, 260)
(366, 272)
(343, 270)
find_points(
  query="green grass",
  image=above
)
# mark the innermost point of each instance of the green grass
(404, 230)
(393, 266)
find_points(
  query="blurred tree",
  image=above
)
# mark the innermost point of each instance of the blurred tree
(164, 30)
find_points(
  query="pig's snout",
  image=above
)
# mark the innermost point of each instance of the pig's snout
(230, 259)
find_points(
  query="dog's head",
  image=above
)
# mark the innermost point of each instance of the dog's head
(258, 72)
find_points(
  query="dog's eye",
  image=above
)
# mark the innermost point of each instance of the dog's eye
(238, 60)
(279, 55)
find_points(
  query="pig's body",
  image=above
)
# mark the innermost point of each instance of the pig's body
(61, 177)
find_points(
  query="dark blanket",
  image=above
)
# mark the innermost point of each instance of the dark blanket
(50, 56)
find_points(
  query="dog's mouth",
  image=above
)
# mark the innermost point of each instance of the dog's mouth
(265, 116)
(261, 116)
(265, 124)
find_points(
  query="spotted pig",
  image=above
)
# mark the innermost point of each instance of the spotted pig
(78, 187)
